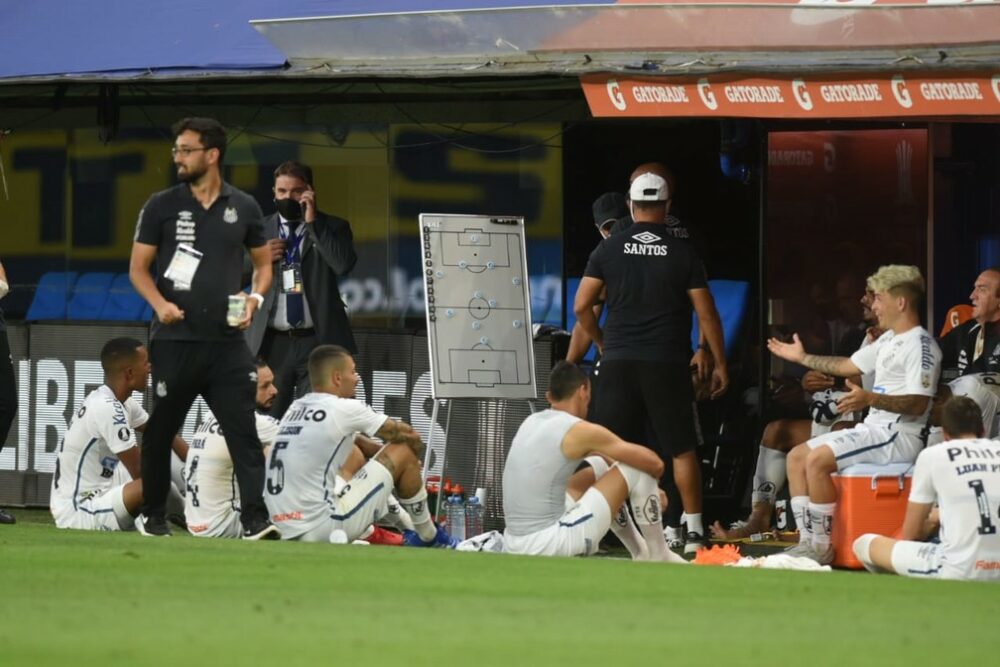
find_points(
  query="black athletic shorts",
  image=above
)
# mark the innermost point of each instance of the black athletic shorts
(658, 393)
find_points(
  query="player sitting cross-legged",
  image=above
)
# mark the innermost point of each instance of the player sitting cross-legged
(547, 449)
(961, 475)
(315, 438)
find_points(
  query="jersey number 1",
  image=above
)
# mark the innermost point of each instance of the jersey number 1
(986, 526)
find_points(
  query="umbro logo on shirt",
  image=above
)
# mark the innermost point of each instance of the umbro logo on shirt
(646, 237)
(644, 247)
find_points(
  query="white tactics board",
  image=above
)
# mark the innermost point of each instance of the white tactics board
(478, 308)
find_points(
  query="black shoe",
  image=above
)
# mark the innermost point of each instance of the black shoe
(261, 530)
(178, 520)
(152, 526)
(6, 517)
(694, 541)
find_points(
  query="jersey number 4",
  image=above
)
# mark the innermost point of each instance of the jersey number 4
(986, 526)
(276, 469)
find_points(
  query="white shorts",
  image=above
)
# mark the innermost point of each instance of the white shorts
(358, 505)
(917, 559)
(870, 443)
(578, 532)
(226, 525)
(100, 511)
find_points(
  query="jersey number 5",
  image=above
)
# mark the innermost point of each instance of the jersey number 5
(276, 469)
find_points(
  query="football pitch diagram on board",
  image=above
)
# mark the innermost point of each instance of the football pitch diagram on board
(478, 308)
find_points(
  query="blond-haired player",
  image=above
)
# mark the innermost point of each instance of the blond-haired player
(906, 362)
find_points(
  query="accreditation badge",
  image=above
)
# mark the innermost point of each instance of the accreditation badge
(183, 266)
(291, 279)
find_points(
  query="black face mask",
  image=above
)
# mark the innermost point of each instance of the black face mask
(289, 209)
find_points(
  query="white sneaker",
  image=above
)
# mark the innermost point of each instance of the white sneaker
(674, 537)
(801, 550)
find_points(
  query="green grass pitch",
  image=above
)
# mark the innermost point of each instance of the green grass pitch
(76, 598)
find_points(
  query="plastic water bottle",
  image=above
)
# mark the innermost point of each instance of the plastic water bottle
(455, 517)
(473, 517)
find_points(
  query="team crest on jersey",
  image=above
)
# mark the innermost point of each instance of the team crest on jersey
(124, 434)
(230, 215)
(185, 227)
(161, 388)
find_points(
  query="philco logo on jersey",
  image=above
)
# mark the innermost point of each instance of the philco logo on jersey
(185, 226)
(230, 215)
(644, 247)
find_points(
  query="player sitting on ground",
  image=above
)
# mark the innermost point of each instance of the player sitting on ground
(90, 490)
(782, 435)
(212, 499)
(906, 362)
(315, 438)
(962, 476)
(547, 449)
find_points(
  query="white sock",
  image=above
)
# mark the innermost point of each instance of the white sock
(769, 476)
(862, 550)
(177, 473)
(800, 510)
(645, 498)
(625, 530)
(821, 516)
(694, 523)
(397, 517)
(421, 517)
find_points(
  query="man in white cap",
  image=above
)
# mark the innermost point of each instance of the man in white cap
(653, 280)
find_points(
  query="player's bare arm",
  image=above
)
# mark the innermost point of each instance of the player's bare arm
(368, 447)
(794, 352)
(131, 459)
(711, 327)
(262, 276)
(140, 262)
(857, 399)
(401, 433)
(916, 526)
(585, 438)
(587, 296)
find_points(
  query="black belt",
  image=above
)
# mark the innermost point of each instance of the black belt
(294, 333)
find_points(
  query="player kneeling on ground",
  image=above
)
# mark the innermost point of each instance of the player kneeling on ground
(316, 437)
(962, 475)
(212, 501)
(90, 490)
(547, 449)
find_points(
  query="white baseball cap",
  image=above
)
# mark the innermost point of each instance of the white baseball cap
(649, 187)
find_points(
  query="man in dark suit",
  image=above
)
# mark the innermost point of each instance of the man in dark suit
(303, 309)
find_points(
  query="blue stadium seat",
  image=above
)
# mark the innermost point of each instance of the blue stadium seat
(89, 296)
(52, 296)
(124, 303)
(731, 300)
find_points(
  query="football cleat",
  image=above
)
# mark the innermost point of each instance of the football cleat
(442, 539)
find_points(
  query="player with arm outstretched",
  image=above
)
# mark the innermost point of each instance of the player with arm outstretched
(906, 362)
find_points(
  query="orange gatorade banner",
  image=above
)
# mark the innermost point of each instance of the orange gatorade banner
(822, 96)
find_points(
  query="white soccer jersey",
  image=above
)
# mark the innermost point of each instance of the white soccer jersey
(314, 439)
(907, 364)
(212, 496)
(963, 478)
(102, 428)
(984, 389)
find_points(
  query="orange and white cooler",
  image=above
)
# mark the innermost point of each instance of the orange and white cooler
(870, 499)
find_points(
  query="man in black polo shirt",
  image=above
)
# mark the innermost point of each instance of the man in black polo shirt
(196, 232)
(652, 281)
(974, 346)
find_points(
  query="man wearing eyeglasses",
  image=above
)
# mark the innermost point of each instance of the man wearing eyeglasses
(196, 232)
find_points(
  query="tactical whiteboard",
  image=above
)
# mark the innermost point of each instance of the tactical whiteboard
(478, 307)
